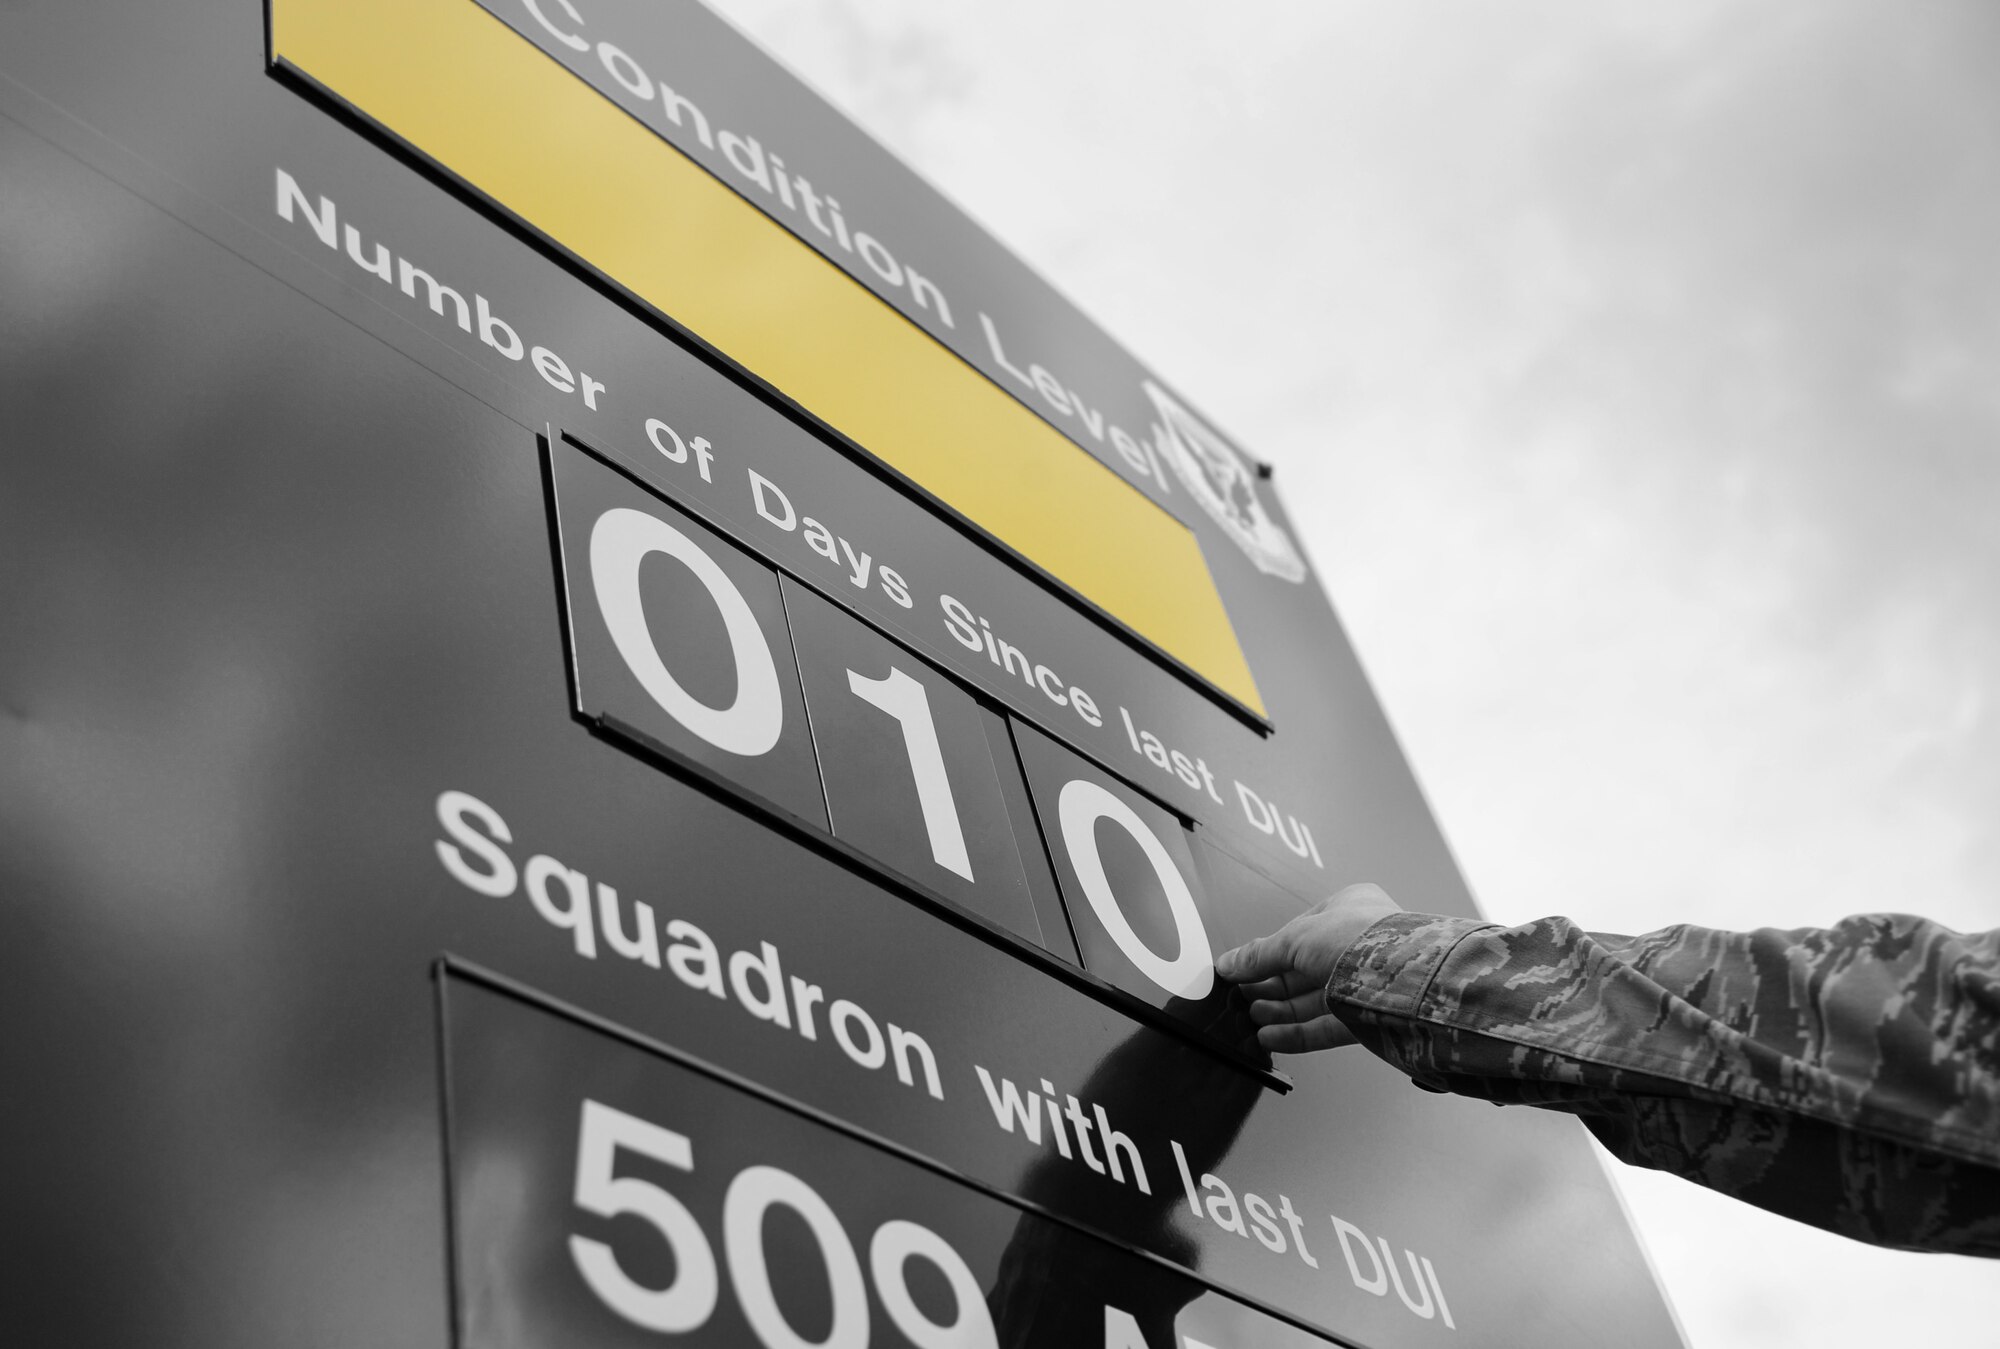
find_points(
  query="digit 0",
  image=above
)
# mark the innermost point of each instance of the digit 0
(1191, 973)
(751, 1195)
(623, 538)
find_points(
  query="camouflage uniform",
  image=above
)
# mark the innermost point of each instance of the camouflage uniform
(1847, 1077)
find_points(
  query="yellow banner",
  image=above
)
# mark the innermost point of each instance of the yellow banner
(513, 124)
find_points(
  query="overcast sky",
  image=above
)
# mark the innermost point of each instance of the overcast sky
(1631, 373)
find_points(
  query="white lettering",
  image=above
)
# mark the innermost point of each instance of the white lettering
(498, 880)
(570, 40)
(322, 221)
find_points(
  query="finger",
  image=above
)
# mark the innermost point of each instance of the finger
(1259, 959)
(1365, 892)
(1287, 985)
(1324, 1032)
(1275, 1011)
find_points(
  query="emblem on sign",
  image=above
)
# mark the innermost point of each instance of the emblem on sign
(1216, 476)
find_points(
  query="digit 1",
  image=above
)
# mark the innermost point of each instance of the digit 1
(904, 699)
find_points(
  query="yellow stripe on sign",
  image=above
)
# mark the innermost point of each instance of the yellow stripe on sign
(485, 104)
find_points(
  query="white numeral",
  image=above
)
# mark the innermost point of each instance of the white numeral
(896, 1243)
(904, 699)
(1191, 973)
(754, 1191)
(686, 1302)
(623, 538)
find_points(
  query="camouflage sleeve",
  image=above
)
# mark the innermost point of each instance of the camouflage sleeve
(1848, 1077)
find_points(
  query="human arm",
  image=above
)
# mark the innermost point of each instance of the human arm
(1847, 1076)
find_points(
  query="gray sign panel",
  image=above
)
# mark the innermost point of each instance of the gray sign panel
(292, 718)
(607, 1191)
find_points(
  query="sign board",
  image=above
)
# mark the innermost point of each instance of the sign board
(621, 728)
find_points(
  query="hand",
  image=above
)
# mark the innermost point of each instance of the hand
(1285, 974)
